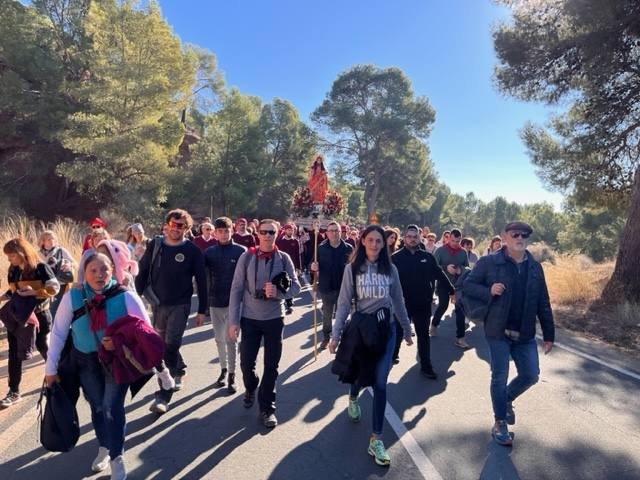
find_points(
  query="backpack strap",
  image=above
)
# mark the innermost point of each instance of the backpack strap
(83, 310)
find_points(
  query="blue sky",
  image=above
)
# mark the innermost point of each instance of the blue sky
(295, 50)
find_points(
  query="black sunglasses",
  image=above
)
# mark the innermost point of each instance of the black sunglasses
(267, 232)
(519, 234)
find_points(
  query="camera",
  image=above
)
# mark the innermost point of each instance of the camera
(260, 294)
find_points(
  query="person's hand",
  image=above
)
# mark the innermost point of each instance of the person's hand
(497, 289)
(233, 331)
(27, 291)
(452, 270)
(65, 266)
(107, 343)
(452, 299)
(49, 380)
(408, 341)
(270, 290)
(547, 347)
(314, 266)
(332, 346)
(199, 319)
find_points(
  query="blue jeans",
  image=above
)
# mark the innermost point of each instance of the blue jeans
(106, 399)
(525, 356)
(380, 386)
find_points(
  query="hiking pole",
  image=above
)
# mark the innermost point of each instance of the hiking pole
(315, 290)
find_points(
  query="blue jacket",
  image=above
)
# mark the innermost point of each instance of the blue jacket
(220, 262)
(331, 262)
(495, 268)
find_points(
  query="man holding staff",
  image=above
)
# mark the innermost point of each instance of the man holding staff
(333, 255)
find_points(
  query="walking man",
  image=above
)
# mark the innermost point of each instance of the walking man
(243, 236)
(418, 272)
(165, 278)
(333, 255)
(263, 279)
(220, 262)
(512, 286)
(453, 260)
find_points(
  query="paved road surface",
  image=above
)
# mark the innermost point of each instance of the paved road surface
(582, 421)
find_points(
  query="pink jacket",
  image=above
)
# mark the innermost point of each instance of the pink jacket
(138, 348)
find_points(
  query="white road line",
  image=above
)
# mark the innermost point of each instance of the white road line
(597, 360)
(410, 444)
(15, 431)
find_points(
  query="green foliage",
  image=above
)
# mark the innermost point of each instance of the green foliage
(377, 124)
(592, 231)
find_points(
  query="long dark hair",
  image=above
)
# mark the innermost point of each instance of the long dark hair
(359, 256)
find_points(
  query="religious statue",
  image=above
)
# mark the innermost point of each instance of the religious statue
(318, 182)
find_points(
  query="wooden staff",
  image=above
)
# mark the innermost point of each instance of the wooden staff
(315, 293)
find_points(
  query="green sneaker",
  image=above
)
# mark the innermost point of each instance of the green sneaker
(378, 452)
(353, 410)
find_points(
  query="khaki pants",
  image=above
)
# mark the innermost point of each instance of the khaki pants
(227, 350)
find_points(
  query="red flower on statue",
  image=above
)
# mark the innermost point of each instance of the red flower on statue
(333, 204)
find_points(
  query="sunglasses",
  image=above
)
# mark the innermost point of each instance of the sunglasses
(519, 235)
(177, 225)
(267, 232)
(96, 226)
(206, 229)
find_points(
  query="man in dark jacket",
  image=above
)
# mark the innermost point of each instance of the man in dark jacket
(220, 262)
(418, 272)
(511, 283)
(175, 265)
(333, 255)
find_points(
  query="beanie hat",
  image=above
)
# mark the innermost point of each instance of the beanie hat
(121, 257)
(137, 228)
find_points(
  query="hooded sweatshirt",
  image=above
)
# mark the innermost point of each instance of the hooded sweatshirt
(375, 291)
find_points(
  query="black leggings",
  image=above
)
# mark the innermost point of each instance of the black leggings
(15, 362)
(443, 304)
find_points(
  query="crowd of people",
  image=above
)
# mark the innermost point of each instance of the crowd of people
(111, 320)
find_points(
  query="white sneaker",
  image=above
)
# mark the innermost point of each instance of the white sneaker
(118, 469)
(101, 461)
(166, 380)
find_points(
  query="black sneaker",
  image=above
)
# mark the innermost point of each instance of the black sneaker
(324, 344)
(429, 373)
(231, 384)
(269, 420)
(511, 414)
(220, 382)
(249, 399)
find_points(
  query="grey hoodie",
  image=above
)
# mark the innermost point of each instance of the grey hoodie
(375, 291)
(242, 301)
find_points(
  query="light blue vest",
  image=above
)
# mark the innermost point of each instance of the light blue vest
(83, 338)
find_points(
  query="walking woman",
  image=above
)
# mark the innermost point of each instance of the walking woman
(392, 236)
(105, 397)
(61, 262)
(377, 291)
(28, 277)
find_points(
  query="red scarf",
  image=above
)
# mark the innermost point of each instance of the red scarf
(452, 250)
(97, 313)
(263, 255)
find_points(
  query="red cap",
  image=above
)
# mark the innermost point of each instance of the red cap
(241, 219)
(97, 221)
(288, 225)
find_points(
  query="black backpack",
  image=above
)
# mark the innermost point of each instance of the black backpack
(59, 426)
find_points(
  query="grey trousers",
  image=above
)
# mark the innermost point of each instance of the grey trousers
(329, 301)
(227, 350)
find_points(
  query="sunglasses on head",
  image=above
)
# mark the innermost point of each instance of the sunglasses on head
(177, 225)
(519, 234)
(267, 232)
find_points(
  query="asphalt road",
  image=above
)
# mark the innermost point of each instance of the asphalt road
(581, 421)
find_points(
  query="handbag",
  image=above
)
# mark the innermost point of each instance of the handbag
(59, 426)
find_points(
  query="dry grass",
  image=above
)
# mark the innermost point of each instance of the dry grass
(70, 235)
(575, 279)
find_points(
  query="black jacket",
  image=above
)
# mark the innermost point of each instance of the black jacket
(418, 273)
(331, 262)
(220, 262)
(359, 350)
(496, 268)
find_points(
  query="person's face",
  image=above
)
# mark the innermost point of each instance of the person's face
(242, 227)
(516, 241)
(354, 235)
(411, 238)
(373, 243)
(207, 230)
(48, 242)
(96, 238)
(15, 259)
(467, 247)
(391, 239)
(333, 233)
(98, 274)
(446, 239)
(137, 236)
(431, 241)
(496, 245)
(223, 235)
(176, 228)
(425, 231)
(288, 232)
(103, 249)
(454, 242)
(267, 234)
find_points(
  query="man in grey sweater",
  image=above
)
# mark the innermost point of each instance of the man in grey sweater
(257, 307)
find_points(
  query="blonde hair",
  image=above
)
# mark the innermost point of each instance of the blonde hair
(47, 233)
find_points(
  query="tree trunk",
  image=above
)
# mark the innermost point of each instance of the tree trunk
(371, 197)
(624, 285)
